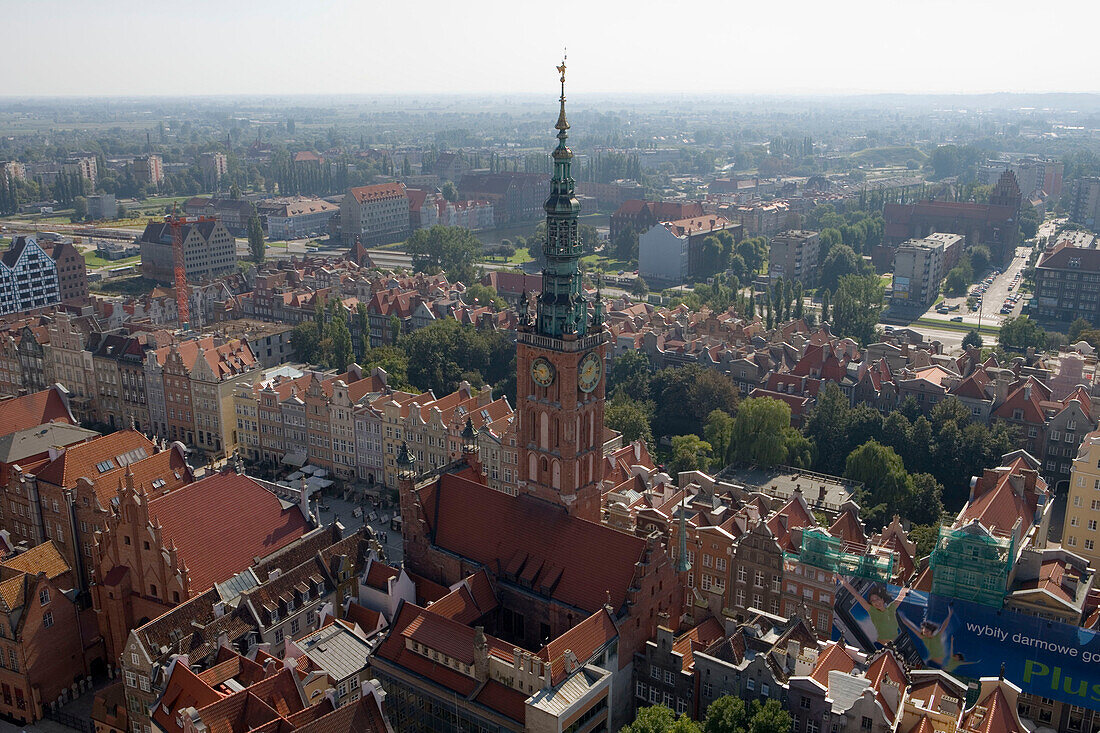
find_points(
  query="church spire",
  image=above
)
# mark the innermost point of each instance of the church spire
(562, 308)
(563, 124)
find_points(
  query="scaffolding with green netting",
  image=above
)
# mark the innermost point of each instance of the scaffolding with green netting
(972, 564)
(822, 550)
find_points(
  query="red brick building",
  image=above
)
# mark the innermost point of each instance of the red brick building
(641, 215)
(42, 651)
(161, 549)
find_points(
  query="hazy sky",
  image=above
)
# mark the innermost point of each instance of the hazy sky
(128, 47)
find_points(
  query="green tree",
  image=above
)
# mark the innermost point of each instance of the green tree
(972, 339)
(959, 278)
(980, 258)
(639, 288)
(769, 717)
(80, 209)
(449, 191)
(727, 714)
(718, 431)
(630, 418)
(857, 307)
(825, 296)
(338, 334)
(689, 453)
(235, 192)
(393, 360)
(826, 425)
(452, 249)
(759, 432)
(660, 719)
(304, 338)
(886, 485)
(625, 245)
(839, 262)
(1078, 327)
(630, 374)
(684, 396)
(1021, 332)
(256, 246)
(483, 295)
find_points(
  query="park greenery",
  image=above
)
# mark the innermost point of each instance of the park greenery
(437, 357)
(453, 250)
(907, 461)
(727, 714)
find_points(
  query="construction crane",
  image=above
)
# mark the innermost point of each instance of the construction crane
(175, 223)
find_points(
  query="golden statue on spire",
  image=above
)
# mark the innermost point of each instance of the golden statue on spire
(562, 125)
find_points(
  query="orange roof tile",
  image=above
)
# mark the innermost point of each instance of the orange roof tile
(222, 523)
(31, 410)
(44, 558)
(584, 640)
(84, 459)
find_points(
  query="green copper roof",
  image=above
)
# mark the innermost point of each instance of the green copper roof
(562, 307)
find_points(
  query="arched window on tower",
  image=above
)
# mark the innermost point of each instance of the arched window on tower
(532, 468)
(556, 480)
(544, 431)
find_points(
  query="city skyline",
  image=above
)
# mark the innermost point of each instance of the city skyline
(857, 47)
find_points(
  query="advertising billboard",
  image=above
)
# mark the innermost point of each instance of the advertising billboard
(1046, 658)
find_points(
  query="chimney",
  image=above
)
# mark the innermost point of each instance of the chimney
(55, 451)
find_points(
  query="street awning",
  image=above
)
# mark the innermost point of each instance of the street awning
(297, 458)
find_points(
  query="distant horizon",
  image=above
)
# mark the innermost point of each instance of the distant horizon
(129, 49)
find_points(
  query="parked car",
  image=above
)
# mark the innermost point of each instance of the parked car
(957, 319)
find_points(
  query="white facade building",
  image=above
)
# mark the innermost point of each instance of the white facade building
(28, 277)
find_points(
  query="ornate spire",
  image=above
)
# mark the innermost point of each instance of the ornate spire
(563, 124)
(562, 308)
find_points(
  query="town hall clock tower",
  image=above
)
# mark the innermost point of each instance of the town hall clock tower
(560, 357)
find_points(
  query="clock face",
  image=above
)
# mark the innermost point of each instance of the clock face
(588, 375)
(542, 372)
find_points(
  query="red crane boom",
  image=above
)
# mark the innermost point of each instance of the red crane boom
(175, 223)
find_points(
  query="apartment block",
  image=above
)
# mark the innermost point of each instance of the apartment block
(1067, 283)
(795, 255)
(918, 272)
(149, 169)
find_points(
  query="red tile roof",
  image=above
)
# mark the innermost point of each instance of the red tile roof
(886, 669)
(184, 689)
(32, 410)
(168, 466)
(997, 505)
(81, 460)
(473, 598)
(393, 649)
(522, 535)
(584, 640)
(835, 658)
(379, 574)
(223, 523)
(700, 636)
(504, 700)
(379, 191)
